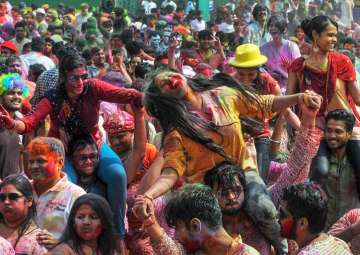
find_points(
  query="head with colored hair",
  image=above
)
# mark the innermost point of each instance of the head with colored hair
(13, 81)
(48, 146)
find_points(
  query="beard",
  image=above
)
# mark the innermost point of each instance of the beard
(231, 211)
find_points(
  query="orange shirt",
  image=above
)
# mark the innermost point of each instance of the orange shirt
(224, 106)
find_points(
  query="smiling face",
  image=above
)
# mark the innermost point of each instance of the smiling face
(327, 39)
(12, 100)
(85, 159)
(75, 81)
(336, 134)
(172, 84)
(44, 166)
(88, 225)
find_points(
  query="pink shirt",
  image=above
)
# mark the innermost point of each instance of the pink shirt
(346, 221)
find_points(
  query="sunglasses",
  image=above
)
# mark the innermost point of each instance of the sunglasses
(77, 77)
(84, 158)
(10, 196)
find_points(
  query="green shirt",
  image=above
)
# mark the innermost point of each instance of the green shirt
(340, 187)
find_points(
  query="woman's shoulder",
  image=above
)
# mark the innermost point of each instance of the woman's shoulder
(297, 64)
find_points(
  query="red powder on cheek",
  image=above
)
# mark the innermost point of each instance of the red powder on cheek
(98, 230)
(50, 169)
(287, 227)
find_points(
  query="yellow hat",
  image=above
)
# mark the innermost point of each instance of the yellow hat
(247, 56)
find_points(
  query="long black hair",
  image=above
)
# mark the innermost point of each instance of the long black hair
(23, 185)
(173, 113)
(107, 240)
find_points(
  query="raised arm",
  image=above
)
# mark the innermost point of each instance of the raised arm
(305, 148)
(29, 122)
(138, 151)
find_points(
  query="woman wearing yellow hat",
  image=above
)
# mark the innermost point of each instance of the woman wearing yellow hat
(248, 62)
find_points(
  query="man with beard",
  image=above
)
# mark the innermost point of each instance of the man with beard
(339, 182)
(303, 212)
(12, 92)
(229, 184)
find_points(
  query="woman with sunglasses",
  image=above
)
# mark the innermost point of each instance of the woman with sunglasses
(17, 212)
(74, 110)
(90, 230)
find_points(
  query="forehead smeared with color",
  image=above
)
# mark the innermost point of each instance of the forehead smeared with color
(12, 81)
(46, 146)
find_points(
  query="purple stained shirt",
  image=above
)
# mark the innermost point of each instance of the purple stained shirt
(280, 59)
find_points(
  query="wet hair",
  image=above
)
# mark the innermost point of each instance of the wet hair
(224, 176)
(257, 9)
(194, 201)
(204, 35)
(81, 142)
(55, 145)
(159, 105)
(307, 201)
(342, 115)
(317, 24)
(23, 185)
(279, 22)
(107, 241)
(37, 44)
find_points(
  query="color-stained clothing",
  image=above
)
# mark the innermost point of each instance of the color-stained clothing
(349, 219)
(68, 120)
(223, 106)
(5, 247)
(28, 243)
(330, 83)
(325, 245)
(279, 59)
(340, 188)
(256, 34)
(53, 207)
(169, 246)
(296, 169)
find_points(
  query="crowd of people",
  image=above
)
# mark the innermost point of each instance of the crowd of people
(160, 133)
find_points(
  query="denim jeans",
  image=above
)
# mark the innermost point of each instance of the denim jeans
(262, 146)
(262, 211)
(111, 171)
